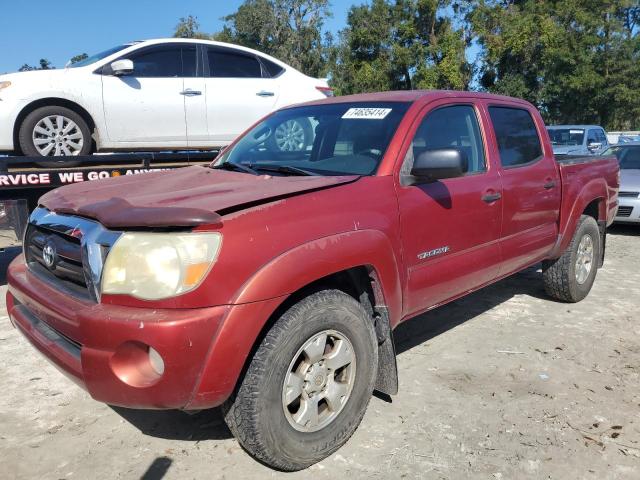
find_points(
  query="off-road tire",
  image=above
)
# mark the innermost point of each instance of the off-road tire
(255, 414)
(25, 138)
(559, 275)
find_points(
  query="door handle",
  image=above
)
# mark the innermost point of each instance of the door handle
(264, 93)
(491, 197)
(549, 185)
(190, 93)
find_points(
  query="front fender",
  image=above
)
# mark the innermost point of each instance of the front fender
(319, 258)
(259, 298)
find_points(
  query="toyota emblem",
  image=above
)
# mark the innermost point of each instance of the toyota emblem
(49, 255)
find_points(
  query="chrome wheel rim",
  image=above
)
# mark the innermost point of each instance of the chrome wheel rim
(57, 136)
(584, 259)
(319, 381)
(289, 136)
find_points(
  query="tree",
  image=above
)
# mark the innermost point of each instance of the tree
(575, 60)
(44, 64)
(78, 58)
(290, 30)
(189, 27)
(407, 44)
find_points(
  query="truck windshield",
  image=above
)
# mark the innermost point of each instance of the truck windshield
(566, 136)
(97, 56)
(330, 139)
(628, 157)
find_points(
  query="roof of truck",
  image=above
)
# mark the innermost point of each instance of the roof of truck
(412, 96)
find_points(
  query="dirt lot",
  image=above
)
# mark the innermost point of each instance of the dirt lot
(502, 384)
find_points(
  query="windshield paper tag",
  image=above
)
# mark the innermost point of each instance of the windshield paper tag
(577, 132)
(367, 113)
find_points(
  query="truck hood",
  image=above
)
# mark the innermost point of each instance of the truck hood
(186, 197)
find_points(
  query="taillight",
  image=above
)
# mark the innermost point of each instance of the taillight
(326, 91)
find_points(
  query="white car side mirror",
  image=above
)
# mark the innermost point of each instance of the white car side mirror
(122, 67)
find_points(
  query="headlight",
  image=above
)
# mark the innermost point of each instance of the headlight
(4, 85)
(151, 266)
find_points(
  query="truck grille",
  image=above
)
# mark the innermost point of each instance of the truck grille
(67, 251)
(624, 211)
(629, 194)
(68, 264)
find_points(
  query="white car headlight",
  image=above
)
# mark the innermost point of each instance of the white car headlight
(152, 266)
(4, 85)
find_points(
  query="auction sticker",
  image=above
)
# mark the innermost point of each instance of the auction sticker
(367, 113)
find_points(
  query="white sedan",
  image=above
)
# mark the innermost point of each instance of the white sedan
(167, 94)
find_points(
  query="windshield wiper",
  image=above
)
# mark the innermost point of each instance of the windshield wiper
(238, 167)
(285, 169)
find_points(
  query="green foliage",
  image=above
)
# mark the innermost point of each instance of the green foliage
(575, 60)
(290, 30)
(405, 44)
(43, 64)
(189, 27)
(78, 58)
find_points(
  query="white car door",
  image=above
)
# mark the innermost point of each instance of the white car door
(239, 91)
(147, 107)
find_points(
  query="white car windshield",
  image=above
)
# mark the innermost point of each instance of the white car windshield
(329, 139)
(98, 56)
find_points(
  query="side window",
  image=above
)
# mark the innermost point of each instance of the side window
(273, 69)
(189, 62)
(602, 137)
(160, 62)
(450, 127)
(229, 64)
(591, 137)
(518, 141)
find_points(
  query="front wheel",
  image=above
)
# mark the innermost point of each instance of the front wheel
(55, 132)
(570, 277)
(308, 384)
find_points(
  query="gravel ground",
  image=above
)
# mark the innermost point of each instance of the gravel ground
(502, 384)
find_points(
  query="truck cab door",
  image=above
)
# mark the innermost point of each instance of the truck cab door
(450, 228)
(146, 107)
(531, 186)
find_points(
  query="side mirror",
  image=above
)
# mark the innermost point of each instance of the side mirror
(594, 146)
(122, 67)
(437, 164)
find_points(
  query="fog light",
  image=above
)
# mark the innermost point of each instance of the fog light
(137, 364)
(156, 361)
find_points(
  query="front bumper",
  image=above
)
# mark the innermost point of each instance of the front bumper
(102, 347)
(628, 210)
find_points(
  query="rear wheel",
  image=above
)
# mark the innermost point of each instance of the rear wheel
(294, 135)
(55, 132)
(570, 277)
(308, 384)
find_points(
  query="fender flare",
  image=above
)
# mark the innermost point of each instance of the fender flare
(595, 190)
(319, 258)
(265, 292)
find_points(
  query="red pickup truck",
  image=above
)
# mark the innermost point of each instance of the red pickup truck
(271, 281)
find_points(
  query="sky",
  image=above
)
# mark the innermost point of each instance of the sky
(35, 29)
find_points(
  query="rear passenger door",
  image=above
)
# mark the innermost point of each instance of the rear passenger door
(240, 91)
(450, 228)
(531, 187)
